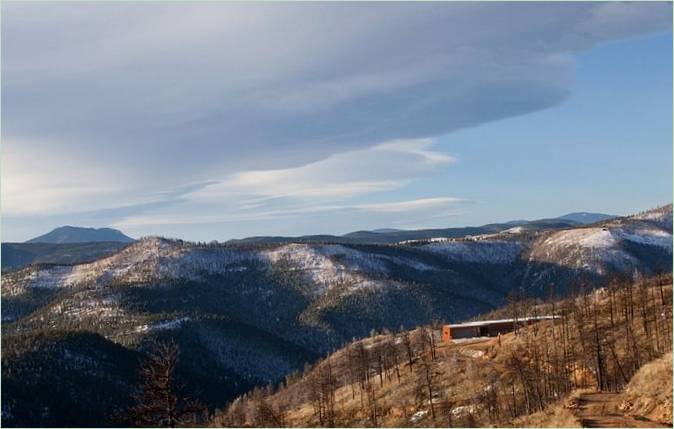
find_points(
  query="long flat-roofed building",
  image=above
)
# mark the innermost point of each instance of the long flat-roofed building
(487, 328)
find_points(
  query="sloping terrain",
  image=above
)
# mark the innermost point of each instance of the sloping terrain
(649, 393)
(19, 255)
(56, 378)
(255, 313)
(601, 410)
(640, 243)
(566, 372)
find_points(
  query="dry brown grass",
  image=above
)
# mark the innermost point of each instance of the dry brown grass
(649, 393)
(460, 364)
(557, 415)
(467, 370)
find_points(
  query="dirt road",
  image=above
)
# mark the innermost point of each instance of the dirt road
(600, 410)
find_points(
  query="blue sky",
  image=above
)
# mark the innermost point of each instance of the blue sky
(223, 120)
(607, 148)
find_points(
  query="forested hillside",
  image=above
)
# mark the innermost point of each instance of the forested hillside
(538, 375)
(248, 315)
(19, 255)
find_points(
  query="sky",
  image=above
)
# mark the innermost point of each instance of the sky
(224, 120)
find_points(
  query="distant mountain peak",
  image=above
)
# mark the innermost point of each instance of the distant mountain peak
(76, 234)
(586, 217)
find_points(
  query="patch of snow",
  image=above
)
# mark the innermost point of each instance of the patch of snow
(514, 230)
(465, 409)
(328, 266)
(152, 259)
(661, 216)
(585, 248)
(649, 237)
(147, 260)
(320, 270)
(418, 416)
(596, 238)
(426, 240)
(98, 306)
(595, 248)
(484, 251)
(606, 238)
(475, 354)
(169, 324)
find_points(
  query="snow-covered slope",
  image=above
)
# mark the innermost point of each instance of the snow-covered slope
(150, 259)
(488, 251)
(621, 244)
(608, 245)
(661, 216)
(584, 248)
(155, 260)
(279, 305)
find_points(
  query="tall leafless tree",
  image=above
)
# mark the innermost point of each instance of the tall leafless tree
(158, 400)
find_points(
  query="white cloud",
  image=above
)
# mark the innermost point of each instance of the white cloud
(157, 87)
(433, 208)
(323, 187)
(384, 167)
(412, 205)
(37, 181)
(283, 104)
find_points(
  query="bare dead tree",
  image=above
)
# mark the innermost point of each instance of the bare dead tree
(322, 386)
(372, 404)
(158, 401)
(407, 343)
(267, 416)
(427, 381)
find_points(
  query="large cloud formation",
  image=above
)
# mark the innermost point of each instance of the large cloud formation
(120, 104)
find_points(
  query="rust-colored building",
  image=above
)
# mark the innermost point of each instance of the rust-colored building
(486, 328)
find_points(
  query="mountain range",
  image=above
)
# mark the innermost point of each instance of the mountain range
(389, 235)
(249, 312)
(71, 245)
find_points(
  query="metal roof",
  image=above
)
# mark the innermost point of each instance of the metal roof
(498, 321)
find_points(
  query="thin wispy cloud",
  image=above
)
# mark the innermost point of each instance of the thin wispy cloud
(325, 186)
(383, 167)
(428, 205)
(403, 206)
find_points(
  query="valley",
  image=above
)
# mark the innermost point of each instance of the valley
(336, 214)
(248, 314)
